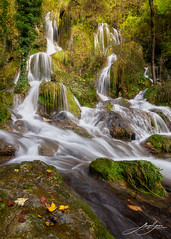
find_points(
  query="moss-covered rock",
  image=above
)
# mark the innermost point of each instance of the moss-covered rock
(159, 94)
(82, 89)
(40, 184)
(158, 144)
(55, 97)
(139, 174)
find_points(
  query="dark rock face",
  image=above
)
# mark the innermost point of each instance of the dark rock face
(61, 120)
(41, 184)
(118, 128)
(7, 149)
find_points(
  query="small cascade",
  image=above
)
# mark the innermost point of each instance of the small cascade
(39, 67)
(17, 78)
(52, 35)
(17, 100)
(63, 98)
(104, 79)
(116, 37)
(103, 40)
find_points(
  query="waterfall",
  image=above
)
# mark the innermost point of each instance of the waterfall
(103, 40)
(39, 67)
(52, 35)
(17, 77)
(63, 98)
(104, 79)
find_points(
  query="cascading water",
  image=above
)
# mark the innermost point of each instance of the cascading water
(104, 79)
(72, 152)
(103, 39)
(63, 98)
(52, 35)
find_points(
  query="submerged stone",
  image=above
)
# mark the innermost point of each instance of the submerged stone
(140, 175)
(7, 149)
(41, 184)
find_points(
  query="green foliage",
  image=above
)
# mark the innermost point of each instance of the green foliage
(139, 174)
(7, 98)
(159, 95)
(4, 114)
(27, 18)
(127, 77)
(159, 143)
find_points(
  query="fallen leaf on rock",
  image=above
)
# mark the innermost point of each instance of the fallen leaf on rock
(21, 201)
(16, 170)
(43, 199)
(49, 171)
(135, 208)
(47, 120)
(63, 208)
(48, 223)
(50, 208)
(21, 219)
(48, 175)
(22, 213)
(10, 204)
(39, 216)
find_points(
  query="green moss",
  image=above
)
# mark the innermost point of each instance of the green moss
(100, 231)
(51, 97)
(82, 89)
(139, 174)
(4, 114)
(109, 107)
(159, 95)
(127, 77)
(159, 143)
(7, 98)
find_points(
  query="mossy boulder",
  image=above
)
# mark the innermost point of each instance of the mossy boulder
(140, 175)
(54, 97)
(127, 73)
(158, 144)
(81, 88)
(41, 184)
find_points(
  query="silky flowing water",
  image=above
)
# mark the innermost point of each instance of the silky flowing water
(72, 152)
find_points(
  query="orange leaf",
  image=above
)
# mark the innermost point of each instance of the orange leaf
(135, 208)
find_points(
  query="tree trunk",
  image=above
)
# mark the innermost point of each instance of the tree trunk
(153, 41)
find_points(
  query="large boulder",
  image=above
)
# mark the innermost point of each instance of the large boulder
(27, 191)
(139, 175)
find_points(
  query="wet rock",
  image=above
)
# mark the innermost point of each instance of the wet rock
(7, 149)
(117, 126)
(61, 120)
(158, 144)
(33, 219)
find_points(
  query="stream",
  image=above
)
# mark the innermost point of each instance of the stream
(73, 153)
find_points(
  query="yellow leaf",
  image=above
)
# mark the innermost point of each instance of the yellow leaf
(135, 208)
(16, 170)
(52, 207)
(49, 171)
(62, 207)
(48, 223)
(39, 216)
